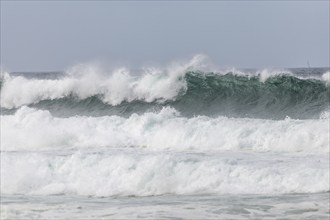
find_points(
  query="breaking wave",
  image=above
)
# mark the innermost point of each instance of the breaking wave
(138, 174)
(232, 94)
(31, 129)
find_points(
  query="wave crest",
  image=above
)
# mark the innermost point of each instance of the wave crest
(88, 90)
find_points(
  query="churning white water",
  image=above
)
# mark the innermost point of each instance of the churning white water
(158, 162)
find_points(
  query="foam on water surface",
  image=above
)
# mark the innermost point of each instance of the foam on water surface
(182, 141)
(290, 206)
(31, 129)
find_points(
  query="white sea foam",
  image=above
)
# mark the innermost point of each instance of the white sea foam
(84, 81)
(326, 77)
(194, 207)
(123, 173)
(31, 129)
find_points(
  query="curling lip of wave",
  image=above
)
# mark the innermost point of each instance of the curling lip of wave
(119, 87)
(31, 129)
(84, 81)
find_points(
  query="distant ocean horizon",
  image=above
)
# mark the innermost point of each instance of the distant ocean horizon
(182, 141)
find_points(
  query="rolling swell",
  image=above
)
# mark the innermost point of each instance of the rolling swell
(232, 95)
(212, 95)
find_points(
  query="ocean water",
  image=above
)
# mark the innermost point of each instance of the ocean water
(179, 142)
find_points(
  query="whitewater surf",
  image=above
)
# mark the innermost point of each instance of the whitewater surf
(183, 141)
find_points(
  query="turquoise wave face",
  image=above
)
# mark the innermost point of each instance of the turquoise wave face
(232, 95)
(213, 94)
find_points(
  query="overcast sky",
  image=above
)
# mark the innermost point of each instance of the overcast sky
(46, 36)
